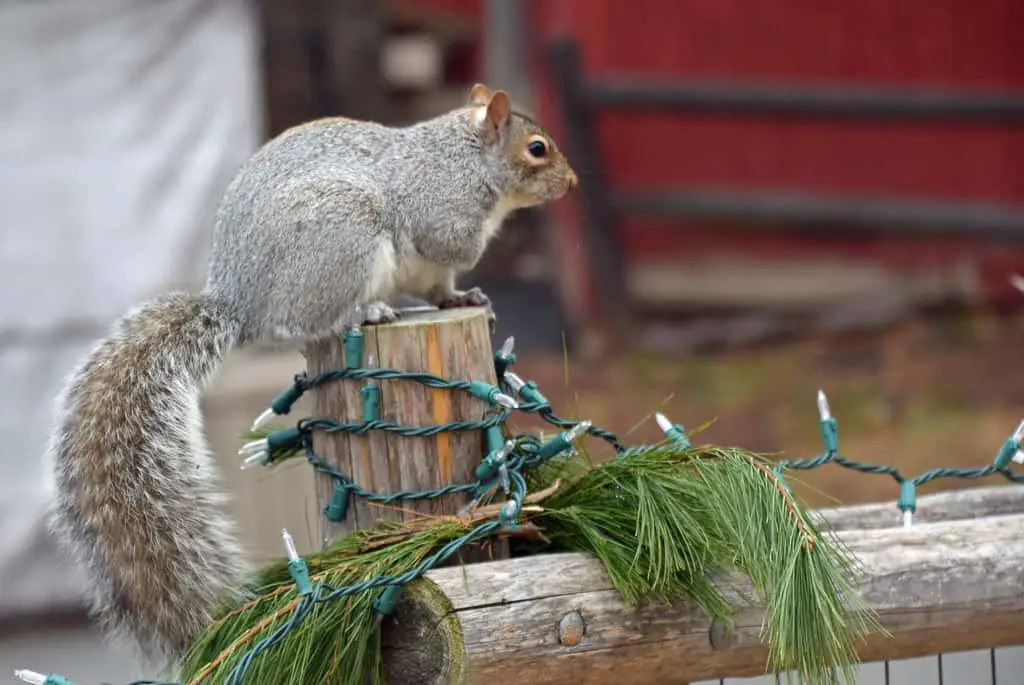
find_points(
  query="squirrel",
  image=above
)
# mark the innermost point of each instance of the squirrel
(316, 231)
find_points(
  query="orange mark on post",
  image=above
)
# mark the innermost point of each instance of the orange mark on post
(442, 407)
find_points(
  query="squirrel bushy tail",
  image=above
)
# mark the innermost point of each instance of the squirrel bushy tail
(137, 500)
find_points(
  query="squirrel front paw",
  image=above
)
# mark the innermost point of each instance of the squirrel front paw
(378, 313)
(474, 297)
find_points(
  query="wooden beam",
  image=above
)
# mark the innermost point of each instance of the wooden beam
(634, 92)
(953, 505)
(605, 277)
(937, 587)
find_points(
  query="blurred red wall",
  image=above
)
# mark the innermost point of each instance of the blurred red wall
(956, 43)
(872, 42)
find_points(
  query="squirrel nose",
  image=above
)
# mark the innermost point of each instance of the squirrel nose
(572, 180)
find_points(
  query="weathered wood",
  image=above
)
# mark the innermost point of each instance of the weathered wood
(953, 505)
(348, 453)
(453, 344)
(937, 587)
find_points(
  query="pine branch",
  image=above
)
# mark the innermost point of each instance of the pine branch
(337, 637)
(668, 524)
(666, 521)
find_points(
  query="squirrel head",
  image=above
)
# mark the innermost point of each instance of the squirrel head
(529, 167)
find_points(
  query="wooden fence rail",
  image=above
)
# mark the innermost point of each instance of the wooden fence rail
(951, 582)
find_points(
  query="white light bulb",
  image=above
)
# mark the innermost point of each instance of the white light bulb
(663, 423)
(1018, 434)
(514, 381)
(505, 401)
(464, 509)
(262, 419)
(1018, 437)
(823, 411)
(505, 450)
(1017, 281)
(253, 447)
(252, 460)
(576, 431)
(509, 509)
(28, 676)
(507, 346)
(908, 518)
(289, 545)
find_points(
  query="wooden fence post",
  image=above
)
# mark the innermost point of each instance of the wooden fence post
(453, 344)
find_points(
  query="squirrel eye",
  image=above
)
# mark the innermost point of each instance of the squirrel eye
(537, 148)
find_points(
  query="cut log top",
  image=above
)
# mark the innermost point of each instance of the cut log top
(942, 586)
(417, 317)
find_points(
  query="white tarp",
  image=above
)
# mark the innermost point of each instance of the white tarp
(121, 123)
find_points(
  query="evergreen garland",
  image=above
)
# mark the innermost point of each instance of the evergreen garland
(669, 522)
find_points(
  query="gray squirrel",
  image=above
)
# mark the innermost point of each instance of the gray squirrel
(316, 232)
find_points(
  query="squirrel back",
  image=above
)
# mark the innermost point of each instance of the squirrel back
(318, 228)
(364, 211)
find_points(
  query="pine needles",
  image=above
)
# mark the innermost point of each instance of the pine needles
(669, 524)
(336, 640)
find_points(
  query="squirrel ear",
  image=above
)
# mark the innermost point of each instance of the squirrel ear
(498, 110)
(479, 94)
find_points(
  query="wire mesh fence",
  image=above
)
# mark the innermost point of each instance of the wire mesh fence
(997, 666)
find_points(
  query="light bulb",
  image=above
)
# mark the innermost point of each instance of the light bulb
(504, 400)
(576, 431)
(251, 461)
(507, 346)
(371, 363)
(289, 545)
(514, 381)
(255, 453)
(1018, 437)
(262, 419)
(28, 676)
(253, 447)
(464, 509)
(509, 509)
(505, 450)
(1017, 281)
(823, 411)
